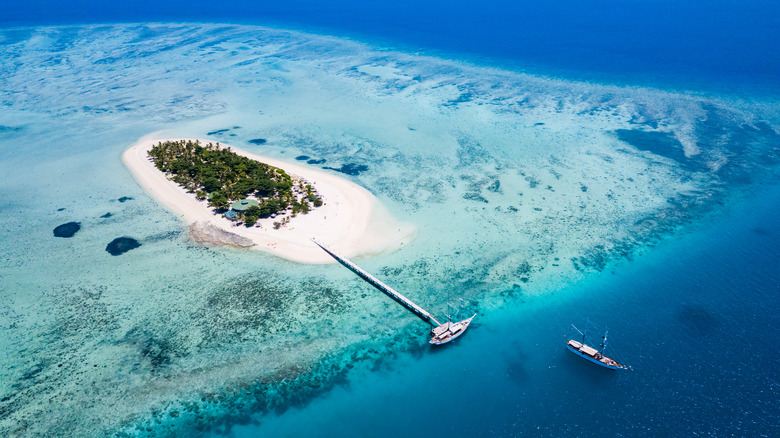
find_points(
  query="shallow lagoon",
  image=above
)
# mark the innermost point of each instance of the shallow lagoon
(521, 186)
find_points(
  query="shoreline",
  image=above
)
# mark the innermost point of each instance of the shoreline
(352, 220)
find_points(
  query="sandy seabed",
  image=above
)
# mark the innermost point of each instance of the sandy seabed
(352, 221)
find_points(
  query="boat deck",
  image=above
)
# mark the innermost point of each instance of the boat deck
(593, 355)
(449, 331)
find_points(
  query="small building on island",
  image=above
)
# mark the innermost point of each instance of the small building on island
(241, 205)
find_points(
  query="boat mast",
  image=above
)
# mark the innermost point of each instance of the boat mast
(604, 341)
(457, 311)
(578, 331)
(586, 331)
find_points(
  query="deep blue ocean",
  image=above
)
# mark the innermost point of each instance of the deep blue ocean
(696, 316)
(727, 45)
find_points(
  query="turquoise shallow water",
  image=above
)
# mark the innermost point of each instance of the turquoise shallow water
(528, 193)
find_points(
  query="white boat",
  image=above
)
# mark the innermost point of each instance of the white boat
(592, 354)
(449, 331)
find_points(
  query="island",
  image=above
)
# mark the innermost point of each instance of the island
(234, 183)
(232, 197)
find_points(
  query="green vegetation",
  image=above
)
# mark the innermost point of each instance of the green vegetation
(313, 197)
(226, 176)
(251, 215)
(219, 201)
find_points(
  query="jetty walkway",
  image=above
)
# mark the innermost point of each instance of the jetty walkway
(373, 281)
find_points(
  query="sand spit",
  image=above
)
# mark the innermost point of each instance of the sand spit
(206, 232)
(352, 220)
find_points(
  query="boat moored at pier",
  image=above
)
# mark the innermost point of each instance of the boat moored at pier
(449, 331)
(440, 333)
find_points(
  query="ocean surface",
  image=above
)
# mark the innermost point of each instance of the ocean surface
(615, 162)
(726, 45)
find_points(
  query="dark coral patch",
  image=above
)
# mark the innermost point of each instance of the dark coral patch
(61, 209)
(107, 215)
(350, 168)
(121, 245)
(125, 198)
(302, 157)
(659, 143)
(313, 161)
(67, 230)
(474, 196)
(258, 141)
(4, 128)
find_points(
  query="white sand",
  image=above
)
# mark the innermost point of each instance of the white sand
(351, 221)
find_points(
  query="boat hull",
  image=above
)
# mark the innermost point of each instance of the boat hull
(593, 359)
(441, 340)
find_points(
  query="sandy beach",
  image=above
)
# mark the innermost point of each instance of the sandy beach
(351, 221)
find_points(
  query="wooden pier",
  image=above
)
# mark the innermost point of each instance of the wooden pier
(373, 281)
(440, 333)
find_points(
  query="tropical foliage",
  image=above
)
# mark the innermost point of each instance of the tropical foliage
(224, 175)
